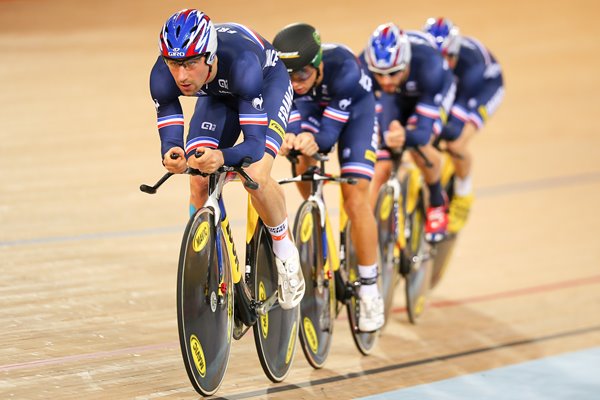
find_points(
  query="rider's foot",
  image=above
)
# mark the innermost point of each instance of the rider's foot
(437, 224)
(459, 212)
(290, 285)
(371, 316)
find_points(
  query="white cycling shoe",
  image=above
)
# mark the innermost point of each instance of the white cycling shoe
(290, 287)
(371, 316)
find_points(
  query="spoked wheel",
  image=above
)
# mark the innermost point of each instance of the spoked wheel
(416, 263)
(274, 333)
(386, 212)
(317, 308)
(204, 304)
(349, 269)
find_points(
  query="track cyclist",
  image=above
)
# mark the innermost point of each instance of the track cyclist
(415, 88)
(479, 93)
(334, 104)
(240, 84)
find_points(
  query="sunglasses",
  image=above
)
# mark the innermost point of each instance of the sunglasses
(303, 74)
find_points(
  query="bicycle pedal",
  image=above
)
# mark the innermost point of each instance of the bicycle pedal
(264, 307)
(239, 329)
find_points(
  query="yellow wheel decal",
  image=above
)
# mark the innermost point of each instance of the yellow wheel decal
(201, 236)
(198, 355)
(307, 228)
(311, 335)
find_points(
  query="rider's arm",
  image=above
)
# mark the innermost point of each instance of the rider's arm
(437, 90)
(165, 95)
(246, 80)
(345, 90)
(469, 85)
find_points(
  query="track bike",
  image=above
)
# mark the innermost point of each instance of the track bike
(400, 212)
(331, 281)
(216, 301)
(444, 250)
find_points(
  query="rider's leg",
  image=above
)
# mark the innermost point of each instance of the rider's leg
(383, 169)
(269, 202)
(363, 228)
(463, 198)
(198, 192)
(431, 174)
(462, 163)
(437, 218)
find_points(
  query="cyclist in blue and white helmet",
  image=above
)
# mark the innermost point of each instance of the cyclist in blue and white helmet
(388, 56)
(188, 33)
(414, 88)
(479, 92)
(241, 86)
(446, 36)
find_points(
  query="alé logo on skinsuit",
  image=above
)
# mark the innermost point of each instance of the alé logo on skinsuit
(198, 355)
(201, 237)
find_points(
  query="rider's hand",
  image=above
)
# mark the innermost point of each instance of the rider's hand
(306, 144)
(288, 144)
(208, 162)
(395, 136)
(176, 165)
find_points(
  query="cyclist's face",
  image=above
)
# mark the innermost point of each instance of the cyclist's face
(391, 82)
(303, 80)
(189, 74)
(452, 59)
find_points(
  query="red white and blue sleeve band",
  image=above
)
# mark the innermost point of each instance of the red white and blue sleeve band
(361, 170)
(200, 141)
(170, 130)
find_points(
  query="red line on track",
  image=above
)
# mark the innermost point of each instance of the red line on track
(590, 280)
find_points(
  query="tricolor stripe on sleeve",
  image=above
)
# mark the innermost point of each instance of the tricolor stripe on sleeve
(307, 126)
(272, 145)
(294, 117)
(428, 111)
(358, 169)
(175, 119)
(460, 113)
(336, 115)
(201, 141)
(253, 119)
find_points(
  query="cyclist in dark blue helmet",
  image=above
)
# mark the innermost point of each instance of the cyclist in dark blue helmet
(480, 90)
(240, 85)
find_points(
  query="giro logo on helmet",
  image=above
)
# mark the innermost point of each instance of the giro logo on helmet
(188, 33)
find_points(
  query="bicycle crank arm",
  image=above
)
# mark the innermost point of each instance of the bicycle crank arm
(264, 307)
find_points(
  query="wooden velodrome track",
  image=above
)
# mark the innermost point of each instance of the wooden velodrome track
(88, 262)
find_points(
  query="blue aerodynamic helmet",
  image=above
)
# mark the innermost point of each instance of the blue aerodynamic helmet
(188, 33)
(446, 35)
(388, 50)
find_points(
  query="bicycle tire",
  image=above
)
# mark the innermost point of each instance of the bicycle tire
(364, 341)
(274, 333)
(386, 210)
(418, 252)
(318, 304)
(204, 304)
(442, 252)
